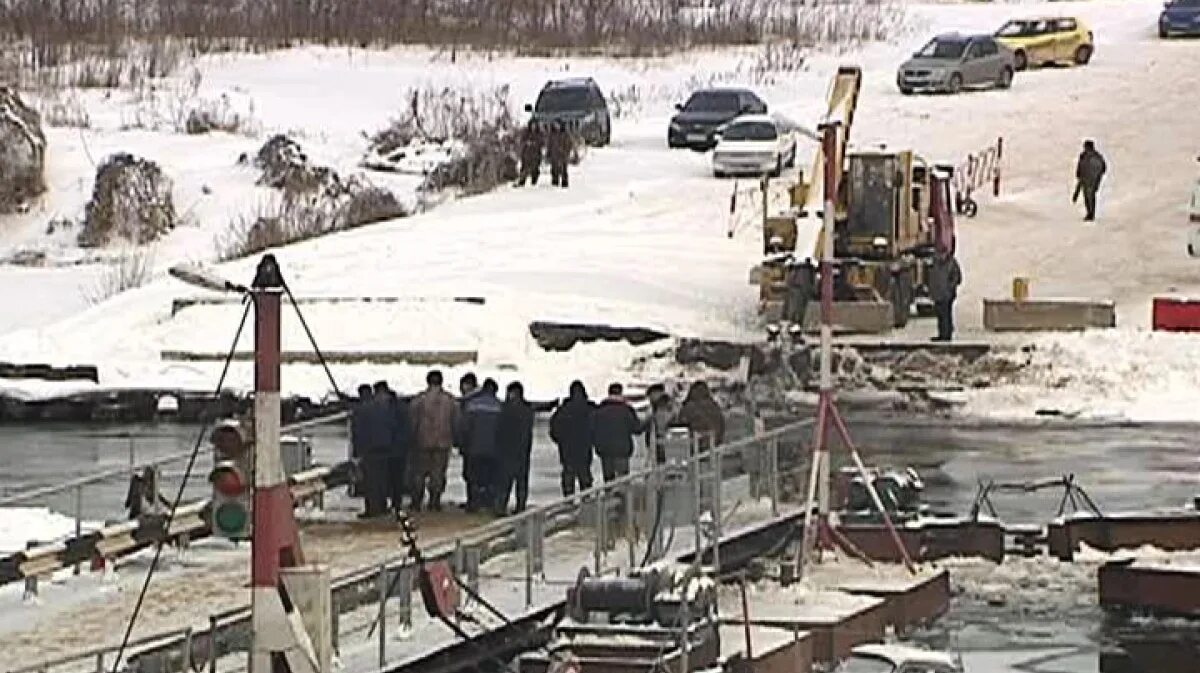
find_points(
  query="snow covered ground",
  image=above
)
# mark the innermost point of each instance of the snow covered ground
(640, 239)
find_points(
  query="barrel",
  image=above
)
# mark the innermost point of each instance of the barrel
(1020, 289)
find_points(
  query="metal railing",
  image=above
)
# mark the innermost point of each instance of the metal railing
(595, 512)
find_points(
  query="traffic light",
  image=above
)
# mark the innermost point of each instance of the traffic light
(230, 501)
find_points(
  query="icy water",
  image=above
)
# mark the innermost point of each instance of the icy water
(1027, 615)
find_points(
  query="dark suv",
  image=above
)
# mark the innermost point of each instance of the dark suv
(578, 103)
(707, 109)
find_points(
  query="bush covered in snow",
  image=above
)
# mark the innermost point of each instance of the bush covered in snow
(476, 129)
(131, 201)
(22, 151)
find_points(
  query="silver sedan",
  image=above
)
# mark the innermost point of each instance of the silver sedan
(951, 63)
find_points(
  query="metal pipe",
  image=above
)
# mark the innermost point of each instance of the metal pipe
(78, 519)
(383, 588)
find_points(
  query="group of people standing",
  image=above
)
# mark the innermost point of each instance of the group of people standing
(403, 447)
(551, 139)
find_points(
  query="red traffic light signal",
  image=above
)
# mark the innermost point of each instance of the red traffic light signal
(231, 501)
(228, 481)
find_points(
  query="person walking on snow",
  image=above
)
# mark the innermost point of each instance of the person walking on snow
(571, 430)
(702, 416)
(532, 143)
(479, 424)
(558, 153)
(614, 426)
(434, 416)
(514, 435)
(1089, 171)
(944, 278)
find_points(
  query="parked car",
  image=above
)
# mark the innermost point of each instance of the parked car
(1179, 17)
(879, 658)
(577, 102)
(1047, 40)
(754, 145)
(952, 62)
(707, 109)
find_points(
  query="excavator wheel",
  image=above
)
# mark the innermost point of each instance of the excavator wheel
(900, 296)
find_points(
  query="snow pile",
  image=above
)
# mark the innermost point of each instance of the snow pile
(1133, 375)
(131, 201)
(19, 525)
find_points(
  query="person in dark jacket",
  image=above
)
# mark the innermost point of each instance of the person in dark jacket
(468, 386)
(1089, 171)
(481, 418)
(532, 144)
(614, 425)
(703, 416)
(944, 278)
(801, 280)
(571, 430)
(399, 444)
(374, 434)
(663, 411)
(558, 153)
(514, 437)
(358, 418)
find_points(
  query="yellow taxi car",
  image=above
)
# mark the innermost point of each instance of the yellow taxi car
(1047, 40)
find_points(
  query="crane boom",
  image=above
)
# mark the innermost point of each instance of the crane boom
(841, 104)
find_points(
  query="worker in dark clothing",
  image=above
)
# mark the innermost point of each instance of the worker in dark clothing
(662, 415)
(358, 416)
(481, 418)
(375, 433)
(614, 425)
(400, 430)
(558, 153)
(703, 417)
(468, 386)
(801, 279)
(514, 435)
(571, 430)
(1089, 171)
(532, 144)
(944, 278)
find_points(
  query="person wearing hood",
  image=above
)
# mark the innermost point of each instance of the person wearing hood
(614, 426)
(1089, 171)
(514, 437)
(571, 431)
(662, 416)
(394, 416)
(480, 421)
(373, 431)
(468, 386)
(703, 416)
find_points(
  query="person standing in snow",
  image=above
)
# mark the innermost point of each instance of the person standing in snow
(395, 417)
(662, 416)
(703, 417)
(374, 426)
(532, 143)
(1089, 171)
(434, 416)
(944, 278)
(514, 436)
(571, 430)
(614, 426)
(479, 423)
(558, 153)
(468, 386)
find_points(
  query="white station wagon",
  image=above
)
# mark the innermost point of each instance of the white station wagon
(754, 145)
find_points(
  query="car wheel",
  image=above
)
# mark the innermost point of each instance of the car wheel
(907, 91)
(955, 84)
(1005, 79)
(1083, 54)
(900, 296)
(720, 175)
(1162, 33)
(606, 135)
(1020, 60)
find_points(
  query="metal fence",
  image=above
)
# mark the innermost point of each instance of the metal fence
(699, 495)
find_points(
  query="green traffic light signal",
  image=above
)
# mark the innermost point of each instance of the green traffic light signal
(230, 519)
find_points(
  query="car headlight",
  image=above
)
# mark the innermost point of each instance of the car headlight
(675, 126)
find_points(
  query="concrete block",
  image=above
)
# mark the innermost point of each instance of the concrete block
(1048, 315)
(852, 317)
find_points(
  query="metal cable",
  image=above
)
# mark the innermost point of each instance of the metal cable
(137, 608)
(311, 339)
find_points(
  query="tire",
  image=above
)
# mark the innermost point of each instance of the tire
(1083, 54)
(955, 84)
(1006, 79)
(900, 295)
(1020, 61)
(606, 134)
(907, 91)
(1163, 33)
(720, 175)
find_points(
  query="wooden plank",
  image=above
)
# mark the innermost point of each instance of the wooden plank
(447, 358)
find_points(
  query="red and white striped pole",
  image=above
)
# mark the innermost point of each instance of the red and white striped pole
(276, 540)
(996, 168)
